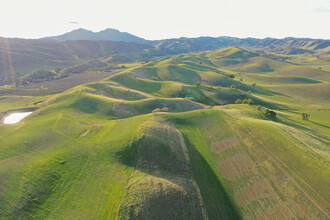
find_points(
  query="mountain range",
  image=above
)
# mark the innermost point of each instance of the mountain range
(287, 45)
(21, 56)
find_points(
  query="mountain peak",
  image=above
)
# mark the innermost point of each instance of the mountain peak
(108, 34)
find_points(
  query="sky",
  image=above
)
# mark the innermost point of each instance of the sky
(161, 19)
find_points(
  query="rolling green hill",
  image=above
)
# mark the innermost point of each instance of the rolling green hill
(165, 140)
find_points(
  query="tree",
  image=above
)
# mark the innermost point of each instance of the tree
(165, 109)
(265, 111)
(305, 116)
(250, 102)
(245, 101)
(238, 101)
(156, 110)
(254, 84)
(259, 107)
(233, 87)
(58, 69)
(230, 75)
(270, 113)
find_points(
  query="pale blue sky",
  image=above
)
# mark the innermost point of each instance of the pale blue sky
(159, 19)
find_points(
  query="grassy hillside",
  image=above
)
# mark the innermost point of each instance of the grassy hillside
(165, 140)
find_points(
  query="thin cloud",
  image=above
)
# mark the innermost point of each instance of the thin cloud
(73, 22)
(321, 9)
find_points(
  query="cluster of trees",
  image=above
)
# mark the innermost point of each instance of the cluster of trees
(305, 116)
(245, 101)
(265, 111)
(164, 109)
(230, 75)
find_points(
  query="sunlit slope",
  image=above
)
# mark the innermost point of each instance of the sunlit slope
(240, 60)
(230, 161)
(163, 140)
(178, 78)
(280, 80)
(313, 92)
(269, 170)
(64, 165)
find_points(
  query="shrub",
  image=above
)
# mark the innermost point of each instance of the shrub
(250, 102)
(165, 109)
(241, 79)
(156, 110)
(233, 87)
(238, 101)
(305, 116)
(259, 107)
(249, 92)
(230, 75)
(270, 113)
(254, 84)
(245, 101)
(265, 111)
(198, 83)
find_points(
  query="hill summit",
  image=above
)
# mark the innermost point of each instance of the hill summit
(108, 34)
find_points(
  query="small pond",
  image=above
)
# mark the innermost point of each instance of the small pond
(15, 117)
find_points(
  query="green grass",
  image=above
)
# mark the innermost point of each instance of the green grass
(97, 151)
(247, 152)
(320, 91)
(279, 80)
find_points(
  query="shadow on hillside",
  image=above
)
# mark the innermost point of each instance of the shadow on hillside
(217, 201)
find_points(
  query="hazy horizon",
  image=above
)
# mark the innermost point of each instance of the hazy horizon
(173, 37)
(155, 20)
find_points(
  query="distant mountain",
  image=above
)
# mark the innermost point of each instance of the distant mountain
(105, 35)
(187, 45)
(289, 46)
(21, 56)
